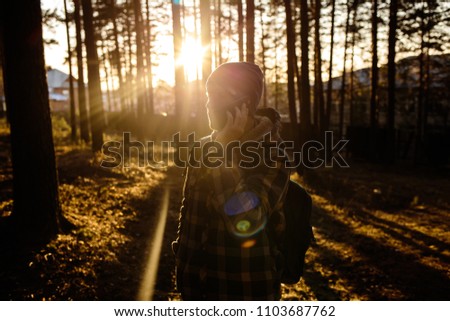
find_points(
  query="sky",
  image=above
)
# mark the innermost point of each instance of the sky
(55, 54)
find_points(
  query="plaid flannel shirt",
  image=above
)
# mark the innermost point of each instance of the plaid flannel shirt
(212, 262)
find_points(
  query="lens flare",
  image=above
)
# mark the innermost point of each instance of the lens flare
(243, 214)
(241, 203)
(248, 244)
(243, 226)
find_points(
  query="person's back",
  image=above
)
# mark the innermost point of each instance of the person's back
(230, 208)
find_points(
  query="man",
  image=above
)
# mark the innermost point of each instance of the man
(230, 215)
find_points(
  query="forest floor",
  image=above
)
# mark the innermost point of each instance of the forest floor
(382, 233)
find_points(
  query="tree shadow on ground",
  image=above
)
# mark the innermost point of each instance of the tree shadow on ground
(381, 272)
(428, 245)
(121, 279)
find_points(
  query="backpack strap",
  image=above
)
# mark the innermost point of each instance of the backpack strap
(286, 185)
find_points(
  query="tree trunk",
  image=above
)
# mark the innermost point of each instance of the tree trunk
(330, 69)
(118, 59)
(84, 122)
(342, 91)
(291, 62)
(426, 98)
(374, 78)
(250, 22)
(183, 30)
(274, 13)
(420, 95)
(149, 62)
(374, 83)
(199, 108)
(305, 98)
(205, 21)
(94, 88)
(263, 57)
(107, 76)
(391, 77)
(352, 67)
(318, 99)
(179, 69)
(425, 27)
(352, 80)
(219, 33)
(36, 210)
(2, 109)
(230, 28)
(240, 30)
(140, 81)
(73, 120)
(130, 88)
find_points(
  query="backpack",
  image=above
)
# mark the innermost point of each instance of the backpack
(298, 233)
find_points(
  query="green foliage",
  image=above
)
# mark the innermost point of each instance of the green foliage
(61, 129)
(4, 127)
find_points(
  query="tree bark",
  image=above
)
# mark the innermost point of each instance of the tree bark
(250, 22)
(230, 28)
(103, 51)
(219, 33)
(291, 61)
(2, 109)
(84, 122)
(305, 98)
(118, 59)
(179, 69)
(36, 208)
(420, 95)
(263, 57)
(140, 81)
(318, 99)
(374, 78)
(94, 88)
(274, 13)
(205, 22)
(198, 85)
(393, 8)
(374, 83)
(330, 69)
(130, 88)
(342, 91)
(352, 78)
(73, 120)
(352, 67)
(149, 62)
(240, 30)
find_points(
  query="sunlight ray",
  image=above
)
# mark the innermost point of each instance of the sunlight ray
(151, 269)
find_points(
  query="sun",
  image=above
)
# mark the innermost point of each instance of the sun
(191, 58)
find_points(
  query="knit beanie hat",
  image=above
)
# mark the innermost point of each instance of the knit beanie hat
(239, 79)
